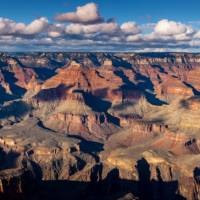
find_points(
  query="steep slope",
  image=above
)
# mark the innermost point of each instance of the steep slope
(100, 125)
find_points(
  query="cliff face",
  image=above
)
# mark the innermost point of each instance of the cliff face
(99, 126)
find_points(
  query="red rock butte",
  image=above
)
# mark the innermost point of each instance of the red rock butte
(100, 126)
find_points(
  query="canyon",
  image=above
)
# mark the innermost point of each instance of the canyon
(113, 126)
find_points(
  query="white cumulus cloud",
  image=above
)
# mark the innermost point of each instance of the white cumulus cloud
(91, 28)
(36, 26)
(9, 27)
(130, 28)
(84, 14)
(166, 27)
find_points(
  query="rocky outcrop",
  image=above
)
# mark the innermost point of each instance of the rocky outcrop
(99, 126)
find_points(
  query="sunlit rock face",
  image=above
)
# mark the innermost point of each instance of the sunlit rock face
(100, 126)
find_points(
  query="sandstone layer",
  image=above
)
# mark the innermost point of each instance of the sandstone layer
(100, 126)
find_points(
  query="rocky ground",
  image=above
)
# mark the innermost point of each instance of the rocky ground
(116, 126)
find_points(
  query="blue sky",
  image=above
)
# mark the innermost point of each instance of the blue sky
(144, 27)
(141, 11)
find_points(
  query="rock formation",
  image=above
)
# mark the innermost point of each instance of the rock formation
(99, 126)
